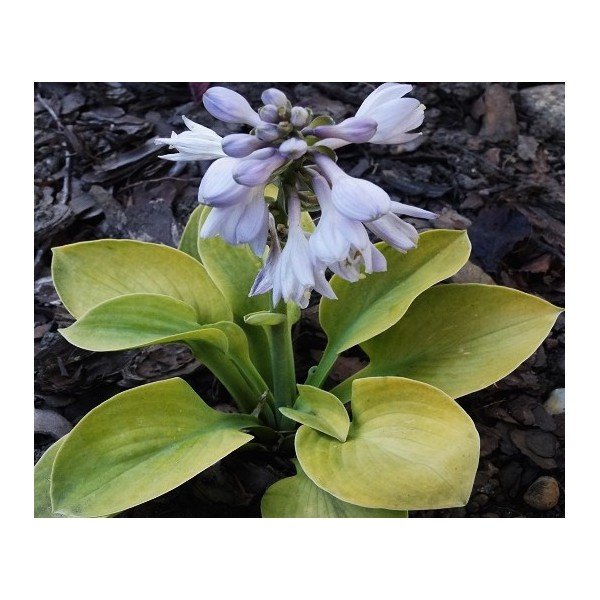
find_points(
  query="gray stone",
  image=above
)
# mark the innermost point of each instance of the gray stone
(545, 104)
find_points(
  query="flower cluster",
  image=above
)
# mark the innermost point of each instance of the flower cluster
(294, 150)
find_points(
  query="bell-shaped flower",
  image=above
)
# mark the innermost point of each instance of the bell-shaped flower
(293, 148)
(355, 198)
(240, 145)
(394, 114)
(243, 223)
(229, 106)
(395, 232)
(354, 129)
(218, 187)
(335, 234)
(199, 143)
(275, 97)
(264, 280)
(370, 257)
(258, 167)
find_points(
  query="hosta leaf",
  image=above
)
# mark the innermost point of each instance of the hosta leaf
(299, 497)
(89, 273)
(233, 269)
(321, 411)
(371, 305)
(138, 445)
(42, 507)
(139, 320)
(460, 337)
(410, 447)
(189, 237)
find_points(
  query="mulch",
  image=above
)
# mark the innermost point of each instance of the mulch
(491, 161)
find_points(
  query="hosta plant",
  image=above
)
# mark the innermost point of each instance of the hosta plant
(390, 439)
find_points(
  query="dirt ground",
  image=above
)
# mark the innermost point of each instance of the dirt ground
(491, 161)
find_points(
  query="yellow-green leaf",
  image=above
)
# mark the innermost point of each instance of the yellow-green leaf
(189, 237)
(373, 304)
(299, 497)
(42, 507)
(410, 447)
(138, 320)
(138, 445)
(89, 273)
(460, 337)
(319, 410)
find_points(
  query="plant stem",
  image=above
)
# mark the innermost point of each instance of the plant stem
(282, 362)
(317, 375)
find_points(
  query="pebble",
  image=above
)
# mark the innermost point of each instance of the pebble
(545, 104)
(543, 493)
(555, 405)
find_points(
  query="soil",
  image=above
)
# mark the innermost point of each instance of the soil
(491, 160)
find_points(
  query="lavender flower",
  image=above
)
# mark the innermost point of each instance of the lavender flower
(288, 148)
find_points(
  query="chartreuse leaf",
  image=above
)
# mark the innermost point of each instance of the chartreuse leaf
(460, 338)
(42, 507)
(89, 273)
(372, 305)
(138, 320)
(234, 269)
(189, 237)
(264, 318)
(138, 445)
(410, 447)
(299, 497)
(319, 410)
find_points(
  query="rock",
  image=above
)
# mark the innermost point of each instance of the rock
(545, 104)
(527, 147)
(450, 219)
(543, 493)
(499, 114)
(555, 405)
(51, 423)
(471, 273)
(539, 446)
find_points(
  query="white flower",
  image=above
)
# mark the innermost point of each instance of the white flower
(199, 143)
(292, 274)
(229, 106)
(369, 257)
(357, 199)
(395, 115)
(354, 129)
(243, 223)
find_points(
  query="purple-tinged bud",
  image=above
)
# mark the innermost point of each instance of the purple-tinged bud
(229, 106)
(269, 113)
(274, 96)
(240, 145)
(293, 148)
(267, 132)
(300, 116)
(354, 129)
(257, 168)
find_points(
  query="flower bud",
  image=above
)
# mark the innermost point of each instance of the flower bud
(354, 129)
(274, 96)
(285, 127)
(267, 132)
(293, 148)
(240, 145)
(229, 106)
(257, 168)
(300, 116)
(269, 113)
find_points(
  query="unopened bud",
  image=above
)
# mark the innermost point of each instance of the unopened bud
(267, 132)
(269, 113)
(274, 96)
(285, 127)
(299, 117)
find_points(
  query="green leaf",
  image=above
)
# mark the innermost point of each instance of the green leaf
(234, 269)
(369, 306)
(460, 338)
(138, 445)
(139, 320)
(410, 447)
(89, 273)
(190, 235)
(42, 507)
(299, 497)
(264, 318)
(319, 410)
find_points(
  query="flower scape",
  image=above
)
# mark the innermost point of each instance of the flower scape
(390, 438)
